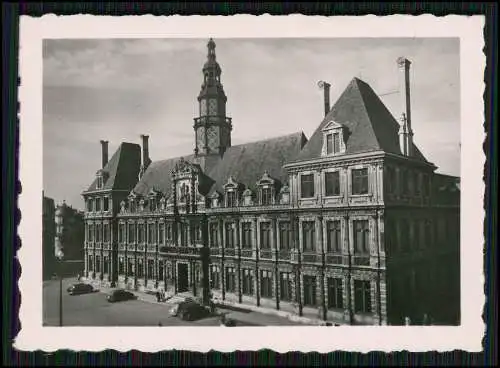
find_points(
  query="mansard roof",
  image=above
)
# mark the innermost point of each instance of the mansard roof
(370, 125)
(122, 169)
(246, 163)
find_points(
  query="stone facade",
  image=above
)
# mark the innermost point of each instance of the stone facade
(348, 235)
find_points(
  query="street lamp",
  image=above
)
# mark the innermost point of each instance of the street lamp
(59, 253)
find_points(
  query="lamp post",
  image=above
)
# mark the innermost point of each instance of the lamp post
(60, 257)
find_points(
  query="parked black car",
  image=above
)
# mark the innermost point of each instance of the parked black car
(80, 288)
(121, 295)
(190, 310)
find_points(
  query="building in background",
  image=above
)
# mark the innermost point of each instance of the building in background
(352, 226)
(69, 238)
(49, 233)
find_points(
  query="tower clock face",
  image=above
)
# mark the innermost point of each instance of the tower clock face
(212, 107)
(203, 107)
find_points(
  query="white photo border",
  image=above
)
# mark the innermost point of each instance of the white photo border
(468, 336)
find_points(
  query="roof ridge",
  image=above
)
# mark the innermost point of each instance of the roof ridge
(298, 133)
(357, 80)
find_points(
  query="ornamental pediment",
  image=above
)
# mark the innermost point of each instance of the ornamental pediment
(231, 183)
(333, 125)
(266, 180)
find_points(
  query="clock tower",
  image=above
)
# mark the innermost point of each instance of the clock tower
(212, 127)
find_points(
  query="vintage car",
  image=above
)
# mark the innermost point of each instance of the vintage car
(80, 288)
(120, 295)
(189, 310)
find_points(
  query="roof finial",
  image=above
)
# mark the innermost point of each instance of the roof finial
(211, 49)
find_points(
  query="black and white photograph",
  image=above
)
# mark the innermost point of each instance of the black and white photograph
(312, 184)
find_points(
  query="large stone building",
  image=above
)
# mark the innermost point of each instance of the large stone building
(69, 238)
(352, 226)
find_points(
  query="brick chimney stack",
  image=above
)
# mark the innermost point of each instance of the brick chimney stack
(104, 147)
(405, 129)
(326, 95)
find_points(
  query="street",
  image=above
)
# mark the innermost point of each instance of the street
(94, 310)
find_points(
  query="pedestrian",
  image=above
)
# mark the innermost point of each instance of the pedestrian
(425, 320)
(407, 321)
(78, 277)
(158, 296)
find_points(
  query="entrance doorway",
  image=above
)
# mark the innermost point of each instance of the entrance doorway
(182, 277)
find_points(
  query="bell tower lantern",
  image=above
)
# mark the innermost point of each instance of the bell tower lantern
(212, 127)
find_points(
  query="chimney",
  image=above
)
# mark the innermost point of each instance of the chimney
(145, 153)
(405, 130)
(104, 147)
(326, 95)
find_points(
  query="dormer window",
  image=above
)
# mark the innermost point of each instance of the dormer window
(285, 194)
(215, 198)
(231, 199)
(232, 190)
(333, 139)
(101, 178)
(266, 187)
(332, 143)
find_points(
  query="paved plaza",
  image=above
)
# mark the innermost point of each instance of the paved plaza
(94, 310)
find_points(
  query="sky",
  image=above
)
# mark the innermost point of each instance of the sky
(118, 89)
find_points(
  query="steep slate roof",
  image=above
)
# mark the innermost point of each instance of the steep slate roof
(370, 125)
(123, 168)
(245, 162)
(158, 176)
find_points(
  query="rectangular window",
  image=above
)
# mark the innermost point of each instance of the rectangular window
(247, 285)
(362, 296)
(309, 236)
(151, 268)
(140, 268)
(121, 266)
(161, 234)
(215, 277)
(90, 205)
(151, 234)
(266, 196)
(333, 242)
(230, 280)
(214, 235)
(336, 143)
(266, 284)
(106, 233)
(197, 233)
(131, 268)
(97, 263)
(265, 235)
(91, 233)
(91, 262)
(140, 233)
(106, 203)
(131, 233)
(231, 199)
(230, 235)
(246, 228)
(286, 286)
(361, 237)
(106, 264)
(184, 233)
(310, 290)
(335, 294)
(307, 186)
(98, 233)
(121, 233)
(285, 236)
(360, 181)
(98, 204)
(169, 231)
(332, 183)
(329, 144)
